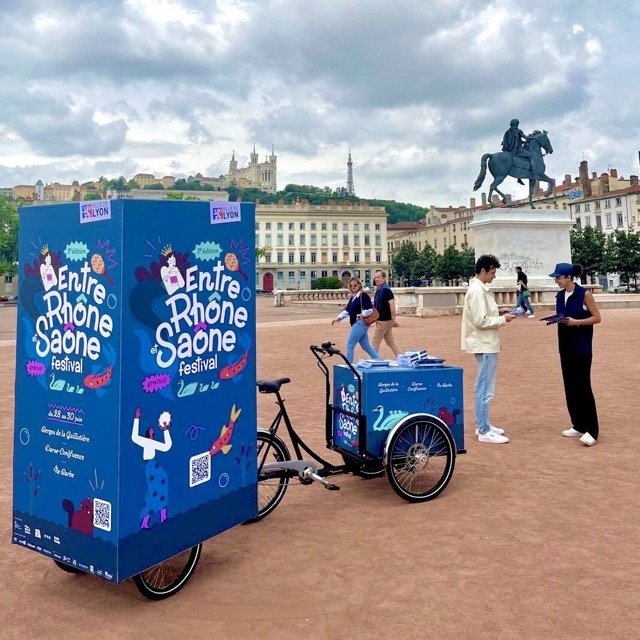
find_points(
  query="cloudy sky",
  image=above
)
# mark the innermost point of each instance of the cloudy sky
(419, 89)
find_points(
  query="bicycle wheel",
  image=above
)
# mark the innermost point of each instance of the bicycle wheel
(420, 457)
(271, 487)
(168, 577)
(67, 568)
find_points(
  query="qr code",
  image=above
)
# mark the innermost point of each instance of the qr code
(101, 514)
(199, 469)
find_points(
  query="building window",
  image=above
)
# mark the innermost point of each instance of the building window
(334, 226)
(608, 219)
(356, 240)
(587, 206)
(303, 239)
(8, 279)
(356, 256)
(334, 256)
(607, 204)
(356, 226)
(598, 205)
(599, 223)
(267, 226)
(280, 257)
(257, 226)
(619, 216)
(324, 274)
(280, 278)
(303, 256)
(378, 256)
(303, 276)
(302, 228)
(334, 274)
(267, 240)
(314, 239)
(324, 226)
(378, 241)
(377, 227)
(454, 241)
(454, 226)
(577, 208)
(367, 240)
(257, 239)
(291, 257)
(334, 240)
(292, 276)
(345, 240)
(587, 221)
(313, 226)
(345, 226)
(279, 226)
(366, 226)
(323, 239)
(267, 257)
(291, 240)
(290, 229)
(345, 256)
(445, 243)
(618, 202)
(314, 275)
(435, 243)
(280, 240)
(465, 239)
(313, 256)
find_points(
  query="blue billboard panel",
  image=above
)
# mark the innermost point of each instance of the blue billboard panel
(135, 380)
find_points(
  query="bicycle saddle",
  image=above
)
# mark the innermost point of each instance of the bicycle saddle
(271, 386)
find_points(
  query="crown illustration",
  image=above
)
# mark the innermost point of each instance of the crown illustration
(45, 250)
(167, 250)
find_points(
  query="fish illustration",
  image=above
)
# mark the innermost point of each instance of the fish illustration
(232, 370)
(97, 380)
(222, 443)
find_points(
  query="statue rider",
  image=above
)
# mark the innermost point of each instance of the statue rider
(513, 141)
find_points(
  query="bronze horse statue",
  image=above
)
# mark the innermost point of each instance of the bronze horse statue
(505, 164)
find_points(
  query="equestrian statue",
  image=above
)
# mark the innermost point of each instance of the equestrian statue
(521, 157)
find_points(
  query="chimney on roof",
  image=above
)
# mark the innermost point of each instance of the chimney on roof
(605, 183)
(508, 197)
(594, 175)
(472, 203)
(495, 198)
(484, 198)
(567, 180)
(585, 183)
(633, 181)
(614, 173)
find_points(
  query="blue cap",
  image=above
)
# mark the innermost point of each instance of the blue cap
(562, 269)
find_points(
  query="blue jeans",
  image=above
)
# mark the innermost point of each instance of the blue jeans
(486, 366)
(359, 335)
(525, 303)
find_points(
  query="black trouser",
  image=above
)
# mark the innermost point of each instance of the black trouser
(576, 375)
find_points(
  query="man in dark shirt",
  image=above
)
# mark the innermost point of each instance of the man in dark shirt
(524, 294)
(385, 303)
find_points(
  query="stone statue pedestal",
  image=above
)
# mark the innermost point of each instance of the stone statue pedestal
(534, 239)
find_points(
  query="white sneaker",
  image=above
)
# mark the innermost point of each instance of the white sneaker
(497, 430)
(588, 439)
(571, 433)
(492, 437)
(533, 315)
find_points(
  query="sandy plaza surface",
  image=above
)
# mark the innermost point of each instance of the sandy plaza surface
(538, 538)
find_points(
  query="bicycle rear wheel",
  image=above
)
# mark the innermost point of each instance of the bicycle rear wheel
(420, 458)
(271, 485)
(168, 577)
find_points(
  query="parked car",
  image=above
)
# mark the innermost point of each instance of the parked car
(622, 288)
(261, 291)
(8, 298)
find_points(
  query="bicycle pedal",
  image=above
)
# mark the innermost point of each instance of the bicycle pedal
(331, 487)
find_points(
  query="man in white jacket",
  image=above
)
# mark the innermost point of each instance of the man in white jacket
(481, 322)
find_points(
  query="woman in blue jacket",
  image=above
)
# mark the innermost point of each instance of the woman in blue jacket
(575, 342)
(358, 307)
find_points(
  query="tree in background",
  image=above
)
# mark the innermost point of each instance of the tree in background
(156, 186)
(450, 266)
(588, 248)
(327, 283)
(468, 262)
(427, 264)
(623, 255)
(8, 237)
(405, 262)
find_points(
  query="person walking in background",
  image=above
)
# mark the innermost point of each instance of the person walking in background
(524, 295)
(480, 335)
(575, 343)
(385, 303)
(358, 307)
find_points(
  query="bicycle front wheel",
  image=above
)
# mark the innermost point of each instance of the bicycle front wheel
(168, 577)
(271, 485)
(420, 458)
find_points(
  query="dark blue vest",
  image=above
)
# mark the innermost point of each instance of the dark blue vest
(574, 340)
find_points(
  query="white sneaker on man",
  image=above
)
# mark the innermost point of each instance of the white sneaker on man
(532, 315)
(497, 430)
(571, 433)
(492, 437)
(588, 439)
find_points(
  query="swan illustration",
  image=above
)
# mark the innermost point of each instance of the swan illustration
(204, 387)
(56, 385)
(384, 424)
(187, 390)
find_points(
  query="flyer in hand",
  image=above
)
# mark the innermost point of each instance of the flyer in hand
(554, 319)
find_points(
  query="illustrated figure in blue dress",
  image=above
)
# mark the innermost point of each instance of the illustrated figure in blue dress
(157, 498)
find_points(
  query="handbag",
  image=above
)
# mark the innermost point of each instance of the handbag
(370, 319)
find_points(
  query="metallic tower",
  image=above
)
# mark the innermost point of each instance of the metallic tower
(350, 188)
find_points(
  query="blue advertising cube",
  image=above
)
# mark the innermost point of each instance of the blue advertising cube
(135, 404)
(389, 394)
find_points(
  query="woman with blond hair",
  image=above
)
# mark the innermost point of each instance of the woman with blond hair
(358, 307)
